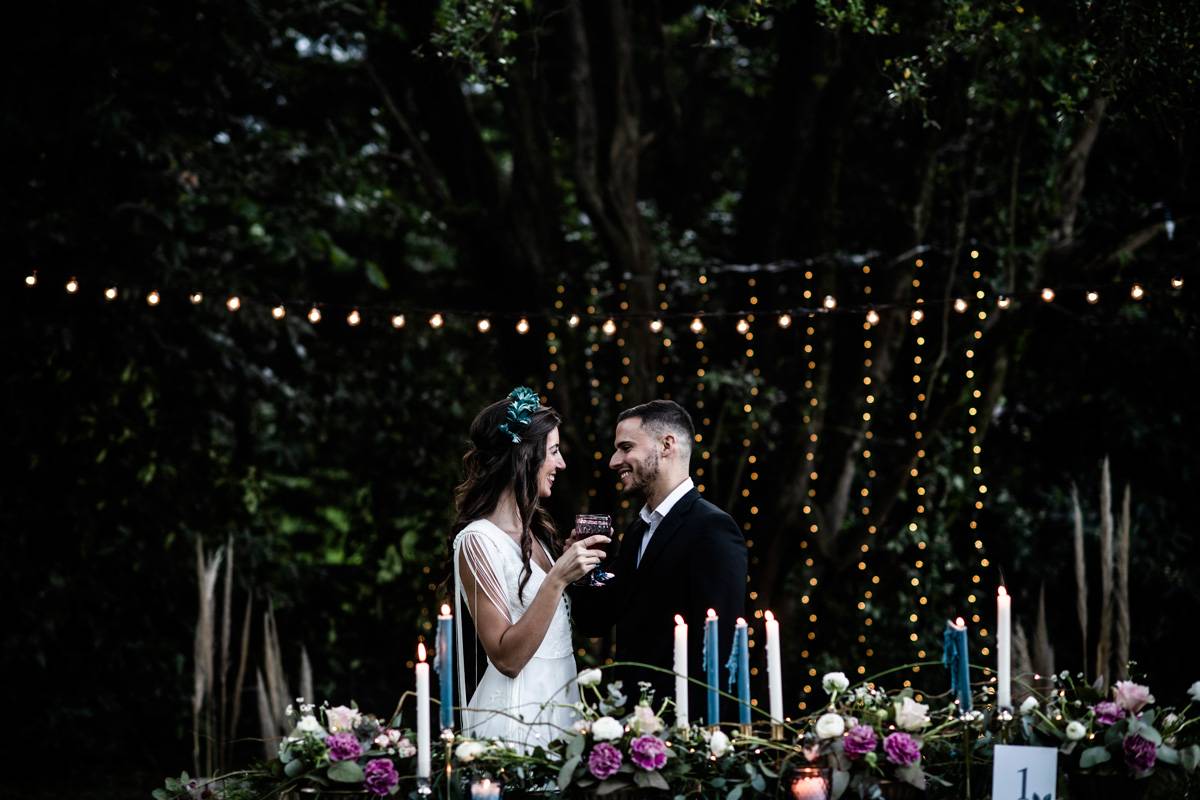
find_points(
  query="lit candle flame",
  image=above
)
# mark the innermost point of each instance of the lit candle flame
(959, 623)
(421, 651)
(769, 615)
(1002, 592)
(741, 623)
(445, 610)
(679, 620)
(712, 614)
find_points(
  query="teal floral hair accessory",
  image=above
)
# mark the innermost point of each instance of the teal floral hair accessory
(523, 401)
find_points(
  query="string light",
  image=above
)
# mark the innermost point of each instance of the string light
(196, 298)
(960, 305)
(484, 325)
(916, 316)
(868, 379)
(314, 315)
(1177, 282)
(398, 321)
(829, 302)
(110, 293)
(436, 321)
(573, 320)
(152, 298)
(1048, 294)
(233, 303)
(656, 326)
(278, 312)
(72, 286)
(353, 318)
(31, 279)
(609, 327)
(749, 468)
(976, 478)
(743, 327)
(872, 317)
(1003, 301)
(1137, 292)
(697, 326)
(809, 419)
(522, 326)
(917, 522)
(785, 320)
(1093, 298)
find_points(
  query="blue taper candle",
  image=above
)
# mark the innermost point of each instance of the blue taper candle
(741, 646)
(957, 660)
(445, 666)
(712, 667)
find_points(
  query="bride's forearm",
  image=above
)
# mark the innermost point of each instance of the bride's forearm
(521, 640)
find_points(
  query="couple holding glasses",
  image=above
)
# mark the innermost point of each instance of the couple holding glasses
(526, 587)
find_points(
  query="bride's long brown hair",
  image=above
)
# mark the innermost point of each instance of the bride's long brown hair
(493, 463)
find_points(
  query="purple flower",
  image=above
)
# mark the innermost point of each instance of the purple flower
(648, 752)
(901, 749)
(380, 776)
(1108, 713)
(859, 741)
(604, 761)
(343, 747)
(1140, 754)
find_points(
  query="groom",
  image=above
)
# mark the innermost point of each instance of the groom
(682, 555)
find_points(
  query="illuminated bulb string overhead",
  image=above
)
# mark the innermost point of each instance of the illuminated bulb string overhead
(916, 526)
(867, 468)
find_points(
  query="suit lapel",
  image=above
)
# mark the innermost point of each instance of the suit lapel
(667, 529)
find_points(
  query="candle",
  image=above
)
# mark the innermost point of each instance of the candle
(956, 659)
(485, 790)
(423, 752)
(809, 784)
(445, 666)
(1003, 649)
(741, 651)
(711, 661)
(774, 671)
(681, 673)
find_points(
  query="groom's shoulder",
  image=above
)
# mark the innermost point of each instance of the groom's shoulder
(710, 513)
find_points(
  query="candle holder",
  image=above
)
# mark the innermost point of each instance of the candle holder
(809, 783)
(777, 734)
(485, 789)
(746, 730)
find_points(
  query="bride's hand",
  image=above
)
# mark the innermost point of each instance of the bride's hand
(578, 559)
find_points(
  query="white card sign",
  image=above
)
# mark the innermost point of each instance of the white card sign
(1024, 773)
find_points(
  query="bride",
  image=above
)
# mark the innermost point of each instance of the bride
(509, 570)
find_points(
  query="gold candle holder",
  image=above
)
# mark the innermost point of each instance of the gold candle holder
(777, 734)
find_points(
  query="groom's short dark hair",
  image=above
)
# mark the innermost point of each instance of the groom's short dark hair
(661, 416)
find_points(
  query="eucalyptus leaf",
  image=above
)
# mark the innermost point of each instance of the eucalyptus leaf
(1093, 756)
(345, 772)
(566, 771)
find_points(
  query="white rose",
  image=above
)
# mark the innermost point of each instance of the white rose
(835, 682)
(644, 720)
(911, 715)
(308, 724)
(1075, 730)
(469, 751)
(589, 677)
(718, 744)
(606, 729)
(830, 726)
(342, 718)
(1029, 706)
(1194, 692)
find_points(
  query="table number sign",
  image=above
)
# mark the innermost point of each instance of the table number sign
(1024, 773)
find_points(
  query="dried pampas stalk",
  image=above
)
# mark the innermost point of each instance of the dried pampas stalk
(1024, 663)
(1104, 645)
(1081, 607)
(1121, 595)
(266, 720)
(223, 672)
(306, 676)
(1043, 651)
(202, 652)
(235, 713)
(277, 688)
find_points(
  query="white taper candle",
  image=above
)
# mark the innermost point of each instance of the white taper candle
(681, 672)
(774, 670)
(423, 751)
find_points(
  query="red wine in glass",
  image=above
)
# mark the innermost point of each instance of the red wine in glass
(591, 525)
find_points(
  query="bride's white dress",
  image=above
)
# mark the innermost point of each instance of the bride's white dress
(538, 704)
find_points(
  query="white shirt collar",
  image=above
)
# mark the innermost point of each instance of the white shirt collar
(668, 502)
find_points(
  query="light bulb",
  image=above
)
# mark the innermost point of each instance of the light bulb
(353, 318)
(573, 321)
(1093, 298)
(656, 326)
(278, 312)
(1048, 294)
(785, 320)
(314, 315)
(195, 298)
(829, 302)
(917, 315)
(872, 317)
(397, 321)
(609, 327)
(1137, 292)
(436, 321)
(522, 326)
(484, 325)
(31, 279)
(233, 303)
(152, 298)
(743, 326)
(72, 286)
(960, 305)
(110, 293)
(697, 326)
(1003, 301)
(1177, 282)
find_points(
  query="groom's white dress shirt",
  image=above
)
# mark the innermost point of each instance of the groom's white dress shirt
(653, 518)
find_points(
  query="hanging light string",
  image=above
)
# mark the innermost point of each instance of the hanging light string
(812, 402)
(698, 329)
(976, 479)
(870, 320)
(749, 466)
(917, 527)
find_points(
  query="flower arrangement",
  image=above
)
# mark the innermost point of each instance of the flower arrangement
(867, 736)
(1120, 733)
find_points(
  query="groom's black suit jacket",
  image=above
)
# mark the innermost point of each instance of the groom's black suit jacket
(696, 560)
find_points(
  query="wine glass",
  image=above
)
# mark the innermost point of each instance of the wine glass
(590, 525)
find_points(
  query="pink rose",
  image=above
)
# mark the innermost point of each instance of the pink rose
(1131, 696)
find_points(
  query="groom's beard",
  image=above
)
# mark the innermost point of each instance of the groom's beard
(642, 478)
